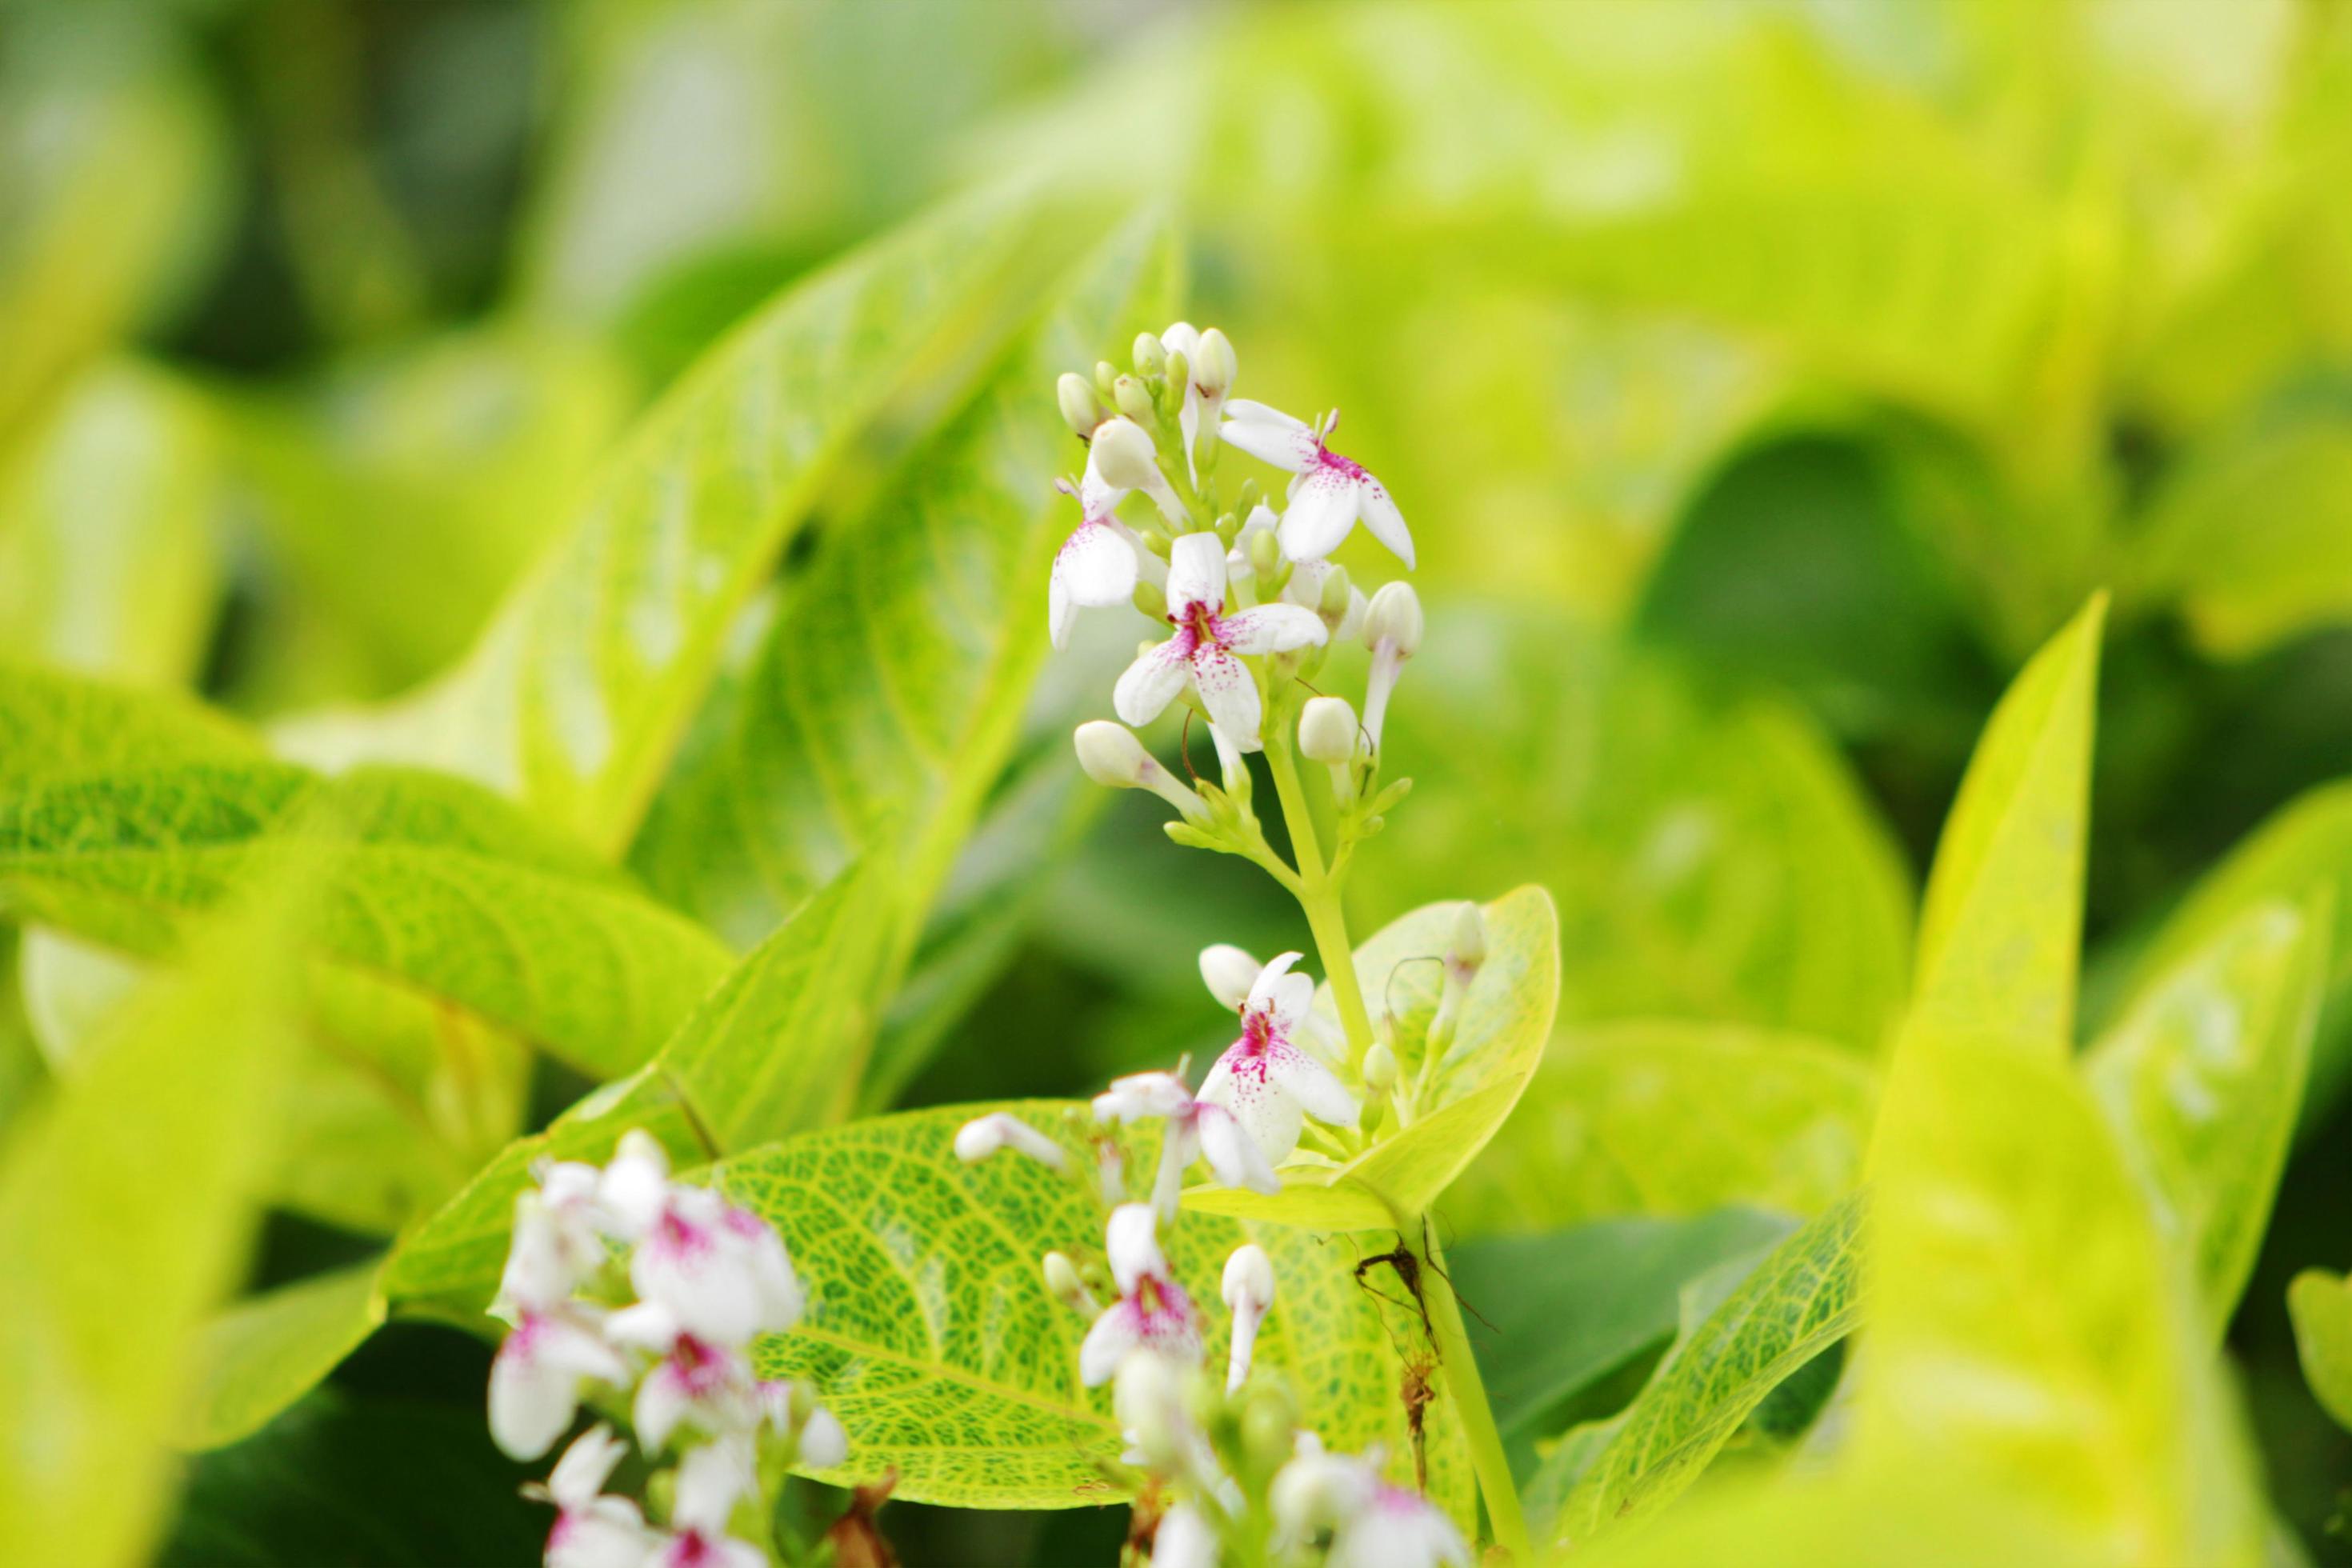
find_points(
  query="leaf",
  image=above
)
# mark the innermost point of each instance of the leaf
(2321, 1305)
(1804, 1297)
(123, 1215)
(888, 695)
(2000, 929)
(2030, 1333)
(1504, 1020)
(931, 1335)
(1633, 1119)
(574, 698)
(345, 1478)
(1710, 860)
(2200, 1083)
(108, 561)
(265, 1353)
(1565, 1308)
(54, 725)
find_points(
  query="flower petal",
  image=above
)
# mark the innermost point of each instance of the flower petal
(1119, 1330)
(1322, 509)
(824, 1444)
(1094, 567)
(1309, 1084)
(1132, 1240)
(1272, 628)
(586, 1467)
(1142, 1094)
(1234, 1155)
(1181, 1147)
(688, 1263)
(1229, 692)
(1151, 683)
(1196, 573)
(1382, 516)
(1269, 434)
(1240, 1085)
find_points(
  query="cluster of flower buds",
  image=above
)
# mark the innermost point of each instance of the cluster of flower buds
(622, 1277)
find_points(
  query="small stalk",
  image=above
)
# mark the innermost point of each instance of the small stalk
(1459, 1366)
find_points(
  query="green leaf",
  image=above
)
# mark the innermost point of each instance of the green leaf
(575, 697)
(2000, 929)
(931, 1335)
(2029, 1333)
(54, 726)
(1504, 1020)
(124, 1211)
(2201, 1081)
(2321, 1305)
(1632, 1118)
(108, 561)
(1710, 860)
(1801, 1299)
(887, 696)
(268, 1350)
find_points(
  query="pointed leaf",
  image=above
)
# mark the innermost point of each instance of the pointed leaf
(2321, 1305)
(268, 1350)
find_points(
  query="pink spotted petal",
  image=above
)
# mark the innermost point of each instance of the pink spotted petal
(1322, 509)
(1239, 1083)
(1151, 683)
(1271, 628)
(1382, 516)
(1229, 692)
(1268, 435)
(1119, 1330)
(1233, 1157)
(1093, 568)
(1309, 1084)
(1196, 574)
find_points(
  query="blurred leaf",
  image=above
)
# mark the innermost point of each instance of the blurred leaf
(56, 726)
(1633, 1119)
(124, 1206)
(575, 696)
(1801, 1299)
(106, 516)
(888, 695)
(2201, 1082)
(2321, 1304)
(1506, 1017)
(268, 1350)
(2000, 929)
(932, 1336)
(344, 1478)
(2029, 1334)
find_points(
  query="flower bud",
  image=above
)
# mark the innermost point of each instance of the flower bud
(1171, 391)
(1063, 1281)
(1125, 456)
(1149, 1400)
(1080, 407)
(1229, 972)
(1467, 950)
(1106, 377)
(823, 1444)
(1150, 359)
(1270, 1425)
(1249, 1292)
(1327, 731)
(1265, 555)
(985, 1136)
(1394, 617)
(1213, 365)
(1332, 602)
(1111, 756)
(1380, 1067)
(1134, 400)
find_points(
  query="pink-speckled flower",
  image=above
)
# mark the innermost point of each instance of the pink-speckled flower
(1268, 1079)
(1153, 1311)
(1204, 651)
(591, 1530)
(535, 1379)
(695, 1381)
(558, 1240)
(1097, 565)
(710, 1481)
(1328, 493)
(1194, 1129)
(720, 1271)
(1372, 1523)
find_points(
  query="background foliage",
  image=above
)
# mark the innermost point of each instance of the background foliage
(551, 498)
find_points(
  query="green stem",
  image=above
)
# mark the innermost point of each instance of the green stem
(1460, 1366)
(1318, 896)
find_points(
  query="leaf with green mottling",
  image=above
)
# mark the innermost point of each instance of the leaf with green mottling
(2321, 1305)
(932, 1334)
(268, 1350)
(576, 695)
(54, 725)
(124, 1209)
(1506, 1017)
(2000, 929)
(2201, 1082)
(1804, 1297)
(1639, 1118)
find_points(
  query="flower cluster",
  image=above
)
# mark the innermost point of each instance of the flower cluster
(624, 1278)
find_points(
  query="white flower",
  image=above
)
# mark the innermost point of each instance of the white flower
(985, 1136)
(1152, 1312)
(710, 1479)
(1248, 1289)
(592, 1531)
(636, 1185)
(722, 1271)
(1266, 1078)
(557, 1241)
(1194, 1129)
(694, 1379)
(1204, 651)
(535, 1379)
(1184, 1539)
(1328, 493)
(1096, 566)
(1372, 1523)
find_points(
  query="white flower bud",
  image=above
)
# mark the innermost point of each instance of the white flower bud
(1150, 359)
(1062, 1279)
(1394, 617)
(1149, 1400)
(978, 1138)
(1134, 400)
(1111, 756)
(1185, 1539)
(1467, 949)
(1380, 1067)
(1125, 456)
(1229, 972)
(1249, 1278)
(1213, 365)
(1080, 409)
(823, 1445)
(1327, 731)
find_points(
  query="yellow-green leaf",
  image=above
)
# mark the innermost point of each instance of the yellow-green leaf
(2321, 1305)
(268, 1350)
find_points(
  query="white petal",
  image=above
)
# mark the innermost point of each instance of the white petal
(1229, 972)
(1097, 496)
(710, 1479)
(537, 1274)
(1271, 1118)
(1272, 628)
(769, 1268)
(1133, 1243)
(824, 1444)
(1310, 1084)
(535, 1381)
(1141, 1095)
(1382, 516)
(612, 1535)
(1119, 1330)
(1267, 987)
(1322, 509)
(1149, 684)
(635, 1184)
(646, 1326)
(661, 1402)
(1184, 338)
(1229, 692)
(586, 1467)
(1196, 573)
(686, 1263)
(1183, 1145)
(1268, 434)
(1234, 1155)
(1184, 1539)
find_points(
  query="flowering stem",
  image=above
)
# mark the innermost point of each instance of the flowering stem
(1459, 1364)
(1318, 896)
